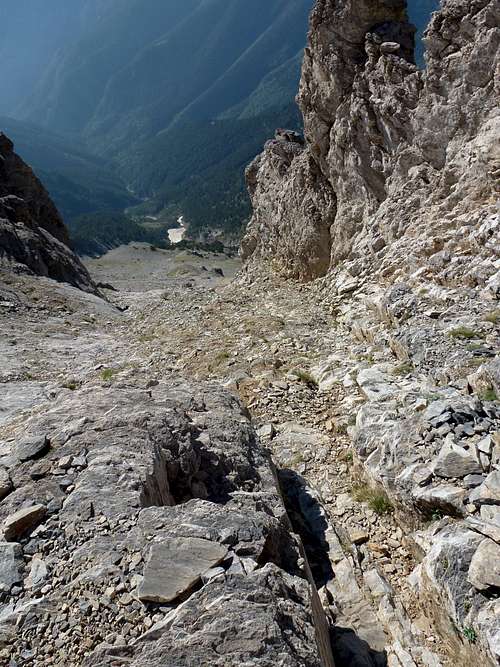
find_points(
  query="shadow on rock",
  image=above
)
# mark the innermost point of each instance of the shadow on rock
(309, 521)
(349, 650)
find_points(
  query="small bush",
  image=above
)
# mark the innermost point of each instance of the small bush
(108, 373)
(488, 395)
(464, 333)
(403, 369)
(470, 634)
(376, 499)
(306, 378)
(70, 385)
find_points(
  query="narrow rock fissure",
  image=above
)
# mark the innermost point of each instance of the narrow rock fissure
(308, 521)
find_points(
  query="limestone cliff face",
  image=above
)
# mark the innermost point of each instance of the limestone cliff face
(395, 149)
(33, 236)
(391, 199)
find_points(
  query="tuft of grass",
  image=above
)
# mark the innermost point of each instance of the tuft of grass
(296, 459)
(369, 358)
(146, 338)
(222, 356)
(72, 386)
(488, 395)
(306, 378)
(464, 333)
(376, 499)
(470, 634)
(437, 515)
(108, 373)
(403, 369)
(493, 316)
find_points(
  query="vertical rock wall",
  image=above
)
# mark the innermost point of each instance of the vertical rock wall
(392, 149)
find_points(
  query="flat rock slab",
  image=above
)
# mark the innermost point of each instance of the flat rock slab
(31, 448)
(18, 524)
(11, 561)
(174, 567)
(455, 462)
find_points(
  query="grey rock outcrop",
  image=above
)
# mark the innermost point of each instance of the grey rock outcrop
(143, 493)
(392, 150)
(33, 237)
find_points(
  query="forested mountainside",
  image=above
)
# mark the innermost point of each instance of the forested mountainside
(178, 96)
(78, 181)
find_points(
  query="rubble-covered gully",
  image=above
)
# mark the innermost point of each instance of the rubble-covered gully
(204, 468)
(288, 556)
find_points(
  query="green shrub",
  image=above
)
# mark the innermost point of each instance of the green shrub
(376, 499)
(488, 395)
(464, 333)
(306, 378)
(108, 373)
(470, 634)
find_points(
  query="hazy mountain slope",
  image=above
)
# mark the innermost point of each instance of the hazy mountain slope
(178, 94)
(419, 12)
(77, 181)
(34, 34)
(145, 64)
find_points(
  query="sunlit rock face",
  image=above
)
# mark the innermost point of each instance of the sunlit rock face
(390, 146)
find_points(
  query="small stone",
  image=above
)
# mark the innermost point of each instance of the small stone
(446, 498)
(18, 524)
(484, 569)
(267, 431)
(489, 491)
(79, 462)
(5, 483)
(212, 573)
(471, 481)
(377, 584)
(389, 47)
(359, 536)
(31, 448)
(38, 573)
(40, 469)
(455, 462)
(65, 462)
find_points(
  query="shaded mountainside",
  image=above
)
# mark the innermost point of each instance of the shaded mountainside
(178, 123)
(33, 237)
(391, 207)
(78, 182)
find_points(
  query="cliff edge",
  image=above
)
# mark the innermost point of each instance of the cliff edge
(33, 237)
